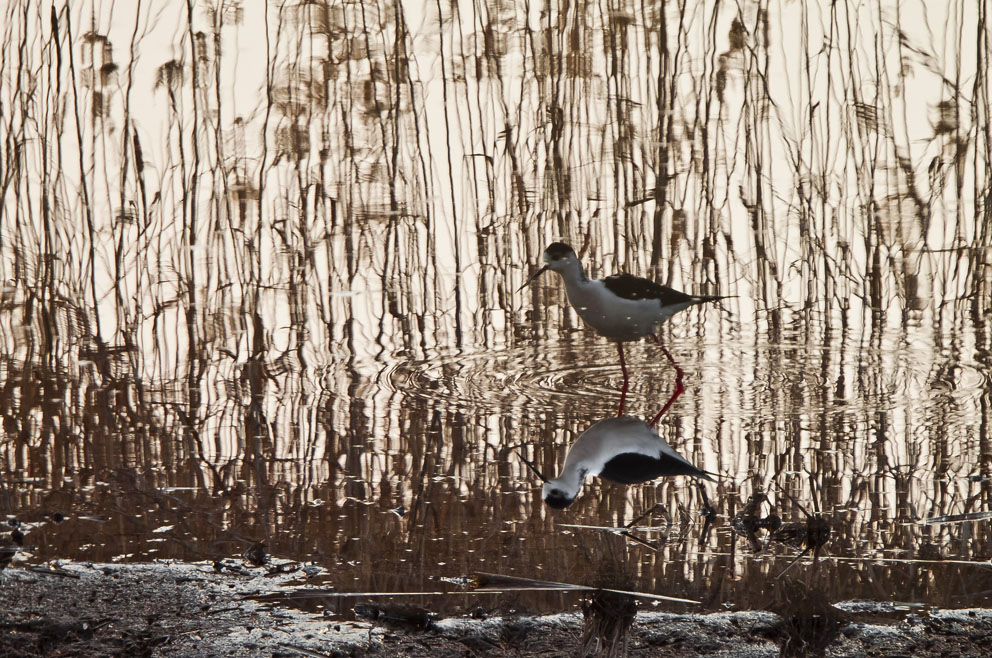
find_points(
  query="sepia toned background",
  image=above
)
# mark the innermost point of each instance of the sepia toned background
(260, 267)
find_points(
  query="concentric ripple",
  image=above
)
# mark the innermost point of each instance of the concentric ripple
(795, 379)
(544, 376)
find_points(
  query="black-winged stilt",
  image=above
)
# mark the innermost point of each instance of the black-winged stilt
(621, 307)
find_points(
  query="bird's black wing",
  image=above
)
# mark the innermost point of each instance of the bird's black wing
(633, 287)
(634, 468)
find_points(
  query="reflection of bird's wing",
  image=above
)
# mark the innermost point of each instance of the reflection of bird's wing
(668, 452)
(633, 468)
(633, 287)
(628, 451)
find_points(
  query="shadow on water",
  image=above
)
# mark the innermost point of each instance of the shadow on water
(295, 330)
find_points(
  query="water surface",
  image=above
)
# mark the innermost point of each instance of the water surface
(272, 294)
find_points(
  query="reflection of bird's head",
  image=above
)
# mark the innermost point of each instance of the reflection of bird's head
(556, 497)
(561, 491)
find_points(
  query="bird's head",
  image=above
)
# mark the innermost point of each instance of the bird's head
(557, 257)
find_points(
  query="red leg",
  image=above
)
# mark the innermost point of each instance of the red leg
(623, 369)
(678, 383)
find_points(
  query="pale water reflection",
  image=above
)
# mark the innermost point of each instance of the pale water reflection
(296, 321)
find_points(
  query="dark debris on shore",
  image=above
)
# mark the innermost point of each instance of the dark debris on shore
(184, 610)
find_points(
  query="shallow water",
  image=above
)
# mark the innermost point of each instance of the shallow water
(335, 359)
(394, 495)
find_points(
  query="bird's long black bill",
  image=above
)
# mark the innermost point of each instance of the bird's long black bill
(533, 468)
(533, 276)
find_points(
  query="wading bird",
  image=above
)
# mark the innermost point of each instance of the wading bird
(621, 307)
(625, 450)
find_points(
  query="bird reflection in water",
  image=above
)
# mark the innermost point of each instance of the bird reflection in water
(625, 450)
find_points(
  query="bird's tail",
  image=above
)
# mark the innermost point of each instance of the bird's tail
(702, 299)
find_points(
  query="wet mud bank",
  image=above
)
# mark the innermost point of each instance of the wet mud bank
(195, 610)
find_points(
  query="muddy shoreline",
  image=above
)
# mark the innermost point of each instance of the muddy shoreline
(187, 610)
